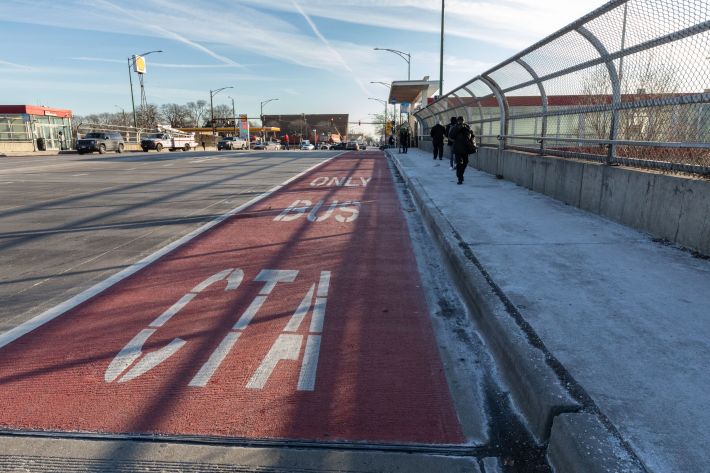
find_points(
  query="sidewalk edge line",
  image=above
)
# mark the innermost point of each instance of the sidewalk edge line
(50, 314)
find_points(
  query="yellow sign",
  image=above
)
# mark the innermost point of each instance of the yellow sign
(389, 129)
(139, 64)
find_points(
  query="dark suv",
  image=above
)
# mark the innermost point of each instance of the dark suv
(101, 142)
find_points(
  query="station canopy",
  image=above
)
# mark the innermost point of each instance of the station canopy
(411, 91)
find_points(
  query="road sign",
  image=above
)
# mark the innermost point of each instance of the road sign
(139, 64)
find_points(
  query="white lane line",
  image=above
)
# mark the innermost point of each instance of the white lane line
(8, 182)
(60, 309)
(168, 165)
(79, 175)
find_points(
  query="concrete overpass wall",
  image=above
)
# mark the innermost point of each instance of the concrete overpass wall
(670, 207)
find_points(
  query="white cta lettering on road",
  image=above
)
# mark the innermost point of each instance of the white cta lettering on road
(288, 345)
(324, 181)
(134, 348)
(131, 362)
(344, 212)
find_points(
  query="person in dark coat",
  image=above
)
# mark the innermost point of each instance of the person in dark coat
(450, 143)
(461, 135)
(438, 132)
(403, 138)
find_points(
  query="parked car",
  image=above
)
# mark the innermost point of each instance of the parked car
(306, 145)
(352, 146)
(324, 146)
(266, 145)
(232, 142)
(338, 146)
(100, 141)
(363, 146)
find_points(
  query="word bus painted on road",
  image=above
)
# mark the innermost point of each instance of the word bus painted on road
(344, 212)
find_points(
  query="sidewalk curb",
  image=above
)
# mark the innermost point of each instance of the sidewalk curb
(581, 444)
(534, 385)
(577, 441)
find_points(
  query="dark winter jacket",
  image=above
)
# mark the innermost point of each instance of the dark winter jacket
(447, 132)
(460, 135)
(437, 133)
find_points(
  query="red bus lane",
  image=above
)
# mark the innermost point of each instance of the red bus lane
(300, 318)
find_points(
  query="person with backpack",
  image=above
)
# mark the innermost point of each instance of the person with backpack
(450, 142)
(464, 145)
(437, 133)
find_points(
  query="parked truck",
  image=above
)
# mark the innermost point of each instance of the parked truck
(169, 138)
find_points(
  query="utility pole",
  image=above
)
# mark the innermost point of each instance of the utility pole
(441, 54)
(131, 60)
(133, 101)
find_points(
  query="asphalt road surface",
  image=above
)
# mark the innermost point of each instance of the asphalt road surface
(199, 300)
(69, 221)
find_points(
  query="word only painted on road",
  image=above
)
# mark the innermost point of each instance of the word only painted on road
(131, 362)
(344, 212)
(324, 181)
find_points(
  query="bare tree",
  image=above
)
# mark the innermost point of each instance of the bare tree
(222, 116)
(176, 115)
(149, 117)
(196, 112)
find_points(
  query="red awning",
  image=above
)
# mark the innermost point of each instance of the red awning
(35, 110)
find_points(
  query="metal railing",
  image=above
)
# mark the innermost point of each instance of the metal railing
(626, 84)
(130, 134)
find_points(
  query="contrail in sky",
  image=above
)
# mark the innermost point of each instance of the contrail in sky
(327, 44)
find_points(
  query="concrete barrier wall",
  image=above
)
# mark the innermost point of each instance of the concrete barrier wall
(16, 147)
(670, 207)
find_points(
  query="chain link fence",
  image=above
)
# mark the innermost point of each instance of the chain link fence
(626, 84)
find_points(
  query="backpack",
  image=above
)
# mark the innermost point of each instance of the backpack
(471, 143)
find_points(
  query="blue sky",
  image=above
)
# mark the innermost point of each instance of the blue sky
(314, 55)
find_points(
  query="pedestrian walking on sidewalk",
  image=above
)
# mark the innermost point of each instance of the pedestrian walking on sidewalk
(450, 142)
(464, 144)
(286, 142)
(438, 132)
(403, 138)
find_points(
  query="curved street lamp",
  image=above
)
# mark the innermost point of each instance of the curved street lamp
(212, 94)
(406, 56)
(132, 60)
(261, 114)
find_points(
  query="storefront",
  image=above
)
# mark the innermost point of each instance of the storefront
(31, 128)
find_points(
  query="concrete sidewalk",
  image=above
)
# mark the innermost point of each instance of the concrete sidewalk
(622, 321)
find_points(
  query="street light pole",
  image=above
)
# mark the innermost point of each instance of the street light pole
(234, 116)
(384, 125)
(261, 115)
(406, 56)
(212, 94)
(130, 81)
